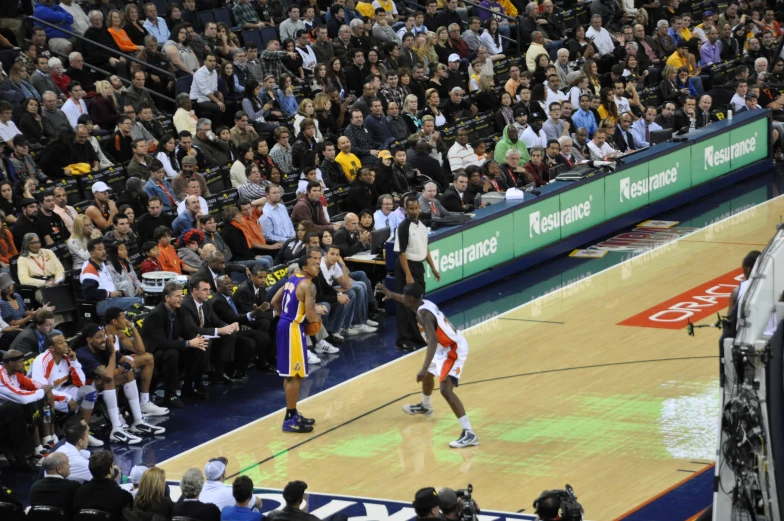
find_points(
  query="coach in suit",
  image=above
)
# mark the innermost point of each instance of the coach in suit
(253, 292)
(254, 329)
(165, 331)
(215, 267)
(456, 198)
(623, 139)
(55, 489)
(202, 317)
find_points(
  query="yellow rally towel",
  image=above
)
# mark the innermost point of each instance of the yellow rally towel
(79, 168)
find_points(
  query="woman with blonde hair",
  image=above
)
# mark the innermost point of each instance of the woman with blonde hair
(591, 70)
(19, 77)
(486, 98)
(83, 231)
(443, 46)
(437, 75)
(114, 24)
(425, 51)
(410, 113)
(307, 110)
(432, 108)
(135, 31)
(104, 108)
(325, 118)
(151, 496)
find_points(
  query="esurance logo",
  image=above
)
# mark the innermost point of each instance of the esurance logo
(715, 157)
(468, 254)
(652, 183)
(539, 224)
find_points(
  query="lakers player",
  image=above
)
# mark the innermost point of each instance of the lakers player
(295, 303)
(446, 353)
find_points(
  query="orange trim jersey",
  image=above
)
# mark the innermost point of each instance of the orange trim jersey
(17, 388)
(452, 348)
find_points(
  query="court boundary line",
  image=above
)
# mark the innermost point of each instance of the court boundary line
(508, 311)
(486, 380)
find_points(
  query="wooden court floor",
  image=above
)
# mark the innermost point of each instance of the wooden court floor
(557, 392)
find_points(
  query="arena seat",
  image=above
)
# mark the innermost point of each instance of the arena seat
(47, 513)
(253, 36)
(91, 514)
(11, 512)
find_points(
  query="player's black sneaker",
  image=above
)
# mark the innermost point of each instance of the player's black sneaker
(418, 409)
(466, 439)
(304, 421)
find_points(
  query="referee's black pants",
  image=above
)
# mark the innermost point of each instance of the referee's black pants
(407, 326)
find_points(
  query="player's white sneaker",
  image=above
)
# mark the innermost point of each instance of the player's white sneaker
(94, 442)
(371, 323)
(140, 427)
(325, 348)
(362, 328)
(466, 439)
(418, 408)
(312, 358)
(123, 436)
(150, 409)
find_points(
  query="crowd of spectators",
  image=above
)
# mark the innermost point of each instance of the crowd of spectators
(292, 105)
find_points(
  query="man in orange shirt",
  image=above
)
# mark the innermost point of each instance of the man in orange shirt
(167, 255)
(253, 232)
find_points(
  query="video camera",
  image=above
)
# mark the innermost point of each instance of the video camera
(466, 507)
(568, 507)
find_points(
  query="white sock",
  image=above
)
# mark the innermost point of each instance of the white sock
(132, 394)
(144, 398)
(426, 400)
(110, 399)
(465, 424)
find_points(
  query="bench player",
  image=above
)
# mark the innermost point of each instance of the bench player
(294, 302)
(446, 353)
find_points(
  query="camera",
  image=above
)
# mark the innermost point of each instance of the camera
(466, 506)
(558, 504)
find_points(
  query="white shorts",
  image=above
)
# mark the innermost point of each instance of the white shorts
(449, 362)
(77, 394)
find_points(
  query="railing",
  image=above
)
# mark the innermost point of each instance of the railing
(511, 19)
(118, 54)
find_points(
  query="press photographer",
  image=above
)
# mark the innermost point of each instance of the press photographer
(558, 505)
(457, 505)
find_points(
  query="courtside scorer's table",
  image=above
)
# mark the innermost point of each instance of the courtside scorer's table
(509, 236)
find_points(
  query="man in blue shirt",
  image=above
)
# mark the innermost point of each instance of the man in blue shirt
(242, 489)
(154, 24)
(276, 225)
(583, 118)
(33, 338)
(190, 218)
(642, 128)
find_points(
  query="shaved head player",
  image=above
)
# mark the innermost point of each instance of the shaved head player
(446, 353)
(294, 302)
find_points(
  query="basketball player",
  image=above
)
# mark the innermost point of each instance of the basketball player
(446, 353)
(294, 302)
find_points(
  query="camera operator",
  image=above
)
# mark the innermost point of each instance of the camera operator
(449, 507)
(560, 505)
(426, 503)
(548, 507)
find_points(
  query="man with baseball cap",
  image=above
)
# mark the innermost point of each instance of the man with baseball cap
(214, 491)
(426, 503)
(135, 477)
(456, 78)
(534, 136)
(28, 222)
(101, 210)
(190, 170)
(296, 508)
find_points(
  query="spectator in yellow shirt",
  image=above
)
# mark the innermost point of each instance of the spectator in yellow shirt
(350, 163)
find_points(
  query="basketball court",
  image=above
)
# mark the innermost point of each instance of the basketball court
(558, 391)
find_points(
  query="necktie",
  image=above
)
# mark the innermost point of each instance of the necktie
(231, 303)
(433, 209)
(201, 316)
(647, 133)
(170, 335)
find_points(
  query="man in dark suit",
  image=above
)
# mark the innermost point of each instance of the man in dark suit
(623, 139)
(217, 266)
(253, 292)
(102, 492)
(165, 331)
(201, 315)
(32, 338)
(55, 489)
(454, 197)
(254, 328)
(686, 116)
(190, 485)
(349, 239)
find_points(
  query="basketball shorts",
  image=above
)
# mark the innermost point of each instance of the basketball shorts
(291, 344)
(78, 394)
(448, 362)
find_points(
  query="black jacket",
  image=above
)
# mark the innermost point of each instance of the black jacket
(156, 327)
(669, 92)
(197, 510)
(103, 494)
(245, 297)
(223, 310)
(360, 197)
(205, 273)
(290, 514)
(620, 143)
(348, 243)
(302, 153)
(451, 200)
(290, 251)
(54, 492)
(211, 320)
(237, 243)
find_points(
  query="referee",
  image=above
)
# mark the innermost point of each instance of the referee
(412, 252)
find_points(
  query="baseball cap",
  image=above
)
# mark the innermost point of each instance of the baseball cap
(294, 490)
(426, 498)
(456, 89)
(751, 95)
(136, 473)
(447, 498)
(454, 57)
(100, 186)
(189, 160)
(27, 201)
(215, 468)
(384, 154)
(5, 280)
(707, 14)
(535, 115)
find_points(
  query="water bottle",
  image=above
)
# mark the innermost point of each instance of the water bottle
(729, 115)
(47, 414)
